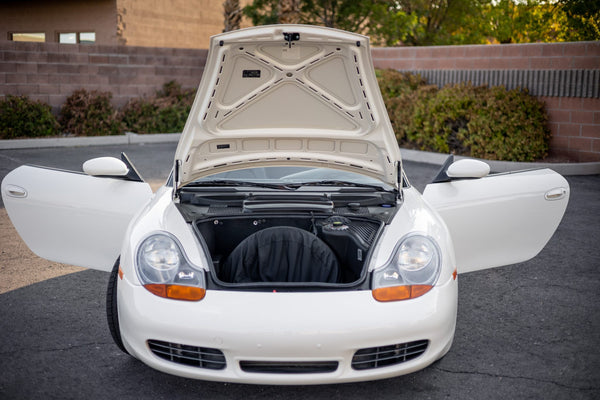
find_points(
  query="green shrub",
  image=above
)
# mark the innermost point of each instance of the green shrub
(165, 112)
(89, 114)
(394, 83)
(510, 125)
(477, 121)
(22, 117)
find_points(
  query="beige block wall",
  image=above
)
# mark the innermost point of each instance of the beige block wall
(174, 23)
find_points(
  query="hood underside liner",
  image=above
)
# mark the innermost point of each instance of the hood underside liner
(269, 101)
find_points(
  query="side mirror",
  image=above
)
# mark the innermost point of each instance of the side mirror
(461, 169)
(468, 168)
(105, 166)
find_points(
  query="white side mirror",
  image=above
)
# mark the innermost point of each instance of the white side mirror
(467, 168)
(105, 166)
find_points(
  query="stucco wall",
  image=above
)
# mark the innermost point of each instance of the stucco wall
(52, 17)
(171, 23)
(174, 23)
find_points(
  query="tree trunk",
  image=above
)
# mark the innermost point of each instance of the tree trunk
(232, 15)
(289, 11)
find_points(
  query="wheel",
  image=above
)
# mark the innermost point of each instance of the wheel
(112, 312)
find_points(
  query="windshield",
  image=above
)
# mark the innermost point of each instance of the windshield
(292, 177)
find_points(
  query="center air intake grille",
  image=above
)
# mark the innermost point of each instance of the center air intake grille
(201, 357)
(289, 367)
(376, 357)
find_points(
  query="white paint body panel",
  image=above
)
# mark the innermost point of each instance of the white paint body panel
(477, 223)
(72, 218)
(468, 168)
(261, 326)
(415, 215)
(501, 219)
(105, 166)
(327, 326)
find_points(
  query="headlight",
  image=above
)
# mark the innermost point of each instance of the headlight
(164, 270)
(411, 272)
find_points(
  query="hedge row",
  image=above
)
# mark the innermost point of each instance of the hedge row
(477, 121)
(92, 114)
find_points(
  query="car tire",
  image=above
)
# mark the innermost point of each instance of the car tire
(112, 312)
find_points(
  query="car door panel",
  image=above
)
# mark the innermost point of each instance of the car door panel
(71, 217)
(500, 219)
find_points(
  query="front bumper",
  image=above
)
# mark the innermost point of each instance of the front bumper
(263, 328)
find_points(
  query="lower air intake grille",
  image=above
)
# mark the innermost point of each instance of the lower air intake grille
(282, 367)
(376, 357)
(201, 357)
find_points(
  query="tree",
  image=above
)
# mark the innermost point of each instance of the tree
(513, 22)
(349, 15)
(541, 21)
(388, 22)
(263, 12)
(288, 12)
(583, 17)
(428, 22)
(443, 22)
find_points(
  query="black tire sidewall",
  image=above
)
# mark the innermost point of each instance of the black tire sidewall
(112, 310)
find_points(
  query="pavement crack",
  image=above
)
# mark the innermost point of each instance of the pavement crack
(537, 380)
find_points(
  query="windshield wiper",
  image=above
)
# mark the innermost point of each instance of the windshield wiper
(231, 182)
(290, 186)
(334, 182)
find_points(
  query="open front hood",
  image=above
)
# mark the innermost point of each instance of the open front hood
(288, 95)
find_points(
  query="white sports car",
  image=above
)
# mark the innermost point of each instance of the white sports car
(287, 246)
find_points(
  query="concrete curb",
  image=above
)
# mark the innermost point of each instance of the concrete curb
(592, 168)
(128, 138)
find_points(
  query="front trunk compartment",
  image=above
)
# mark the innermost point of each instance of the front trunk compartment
(287, 240)
(348, 239)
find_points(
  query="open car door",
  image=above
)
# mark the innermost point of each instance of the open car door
(500, 219)
(71, 217)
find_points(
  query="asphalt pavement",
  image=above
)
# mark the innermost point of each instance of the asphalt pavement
(526, 331)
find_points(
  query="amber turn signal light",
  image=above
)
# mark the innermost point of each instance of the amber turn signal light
(396, 293)
(177, 292)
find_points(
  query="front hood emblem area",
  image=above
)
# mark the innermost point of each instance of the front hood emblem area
(288, 95)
